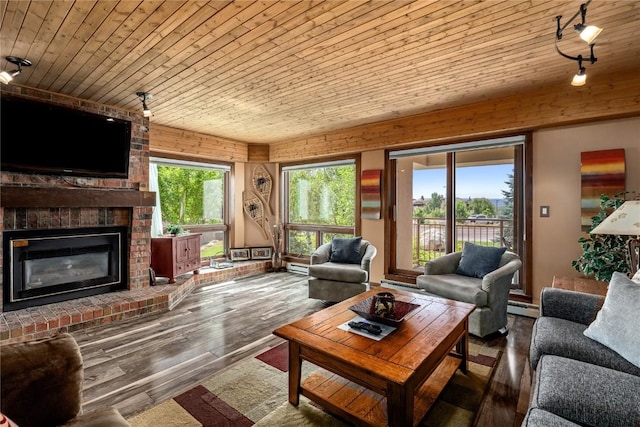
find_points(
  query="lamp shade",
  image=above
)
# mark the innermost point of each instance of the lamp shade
(623, 221)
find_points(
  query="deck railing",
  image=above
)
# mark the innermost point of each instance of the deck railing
(430, 234)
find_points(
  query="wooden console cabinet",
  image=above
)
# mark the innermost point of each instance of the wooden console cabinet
(172, 256)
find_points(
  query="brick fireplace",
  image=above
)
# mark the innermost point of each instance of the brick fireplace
(45, 202)
(39, 202)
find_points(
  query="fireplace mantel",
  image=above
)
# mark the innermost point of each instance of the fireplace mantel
(39, 197)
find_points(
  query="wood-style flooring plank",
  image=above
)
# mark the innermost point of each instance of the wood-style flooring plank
(138, 363)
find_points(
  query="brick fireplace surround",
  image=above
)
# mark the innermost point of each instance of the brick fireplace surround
(42, 202)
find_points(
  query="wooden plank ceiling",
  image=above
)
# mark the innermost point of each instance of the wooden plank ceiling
(268, 71)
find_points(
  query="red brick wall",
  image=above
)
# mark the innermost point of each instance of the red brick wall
(138, 219)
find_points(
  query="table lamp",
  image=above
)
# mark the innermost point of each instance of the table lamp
(625, 221)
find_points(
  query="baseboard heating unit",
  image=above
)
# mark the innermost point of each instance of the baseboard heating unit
(523, 309)
(293, 267)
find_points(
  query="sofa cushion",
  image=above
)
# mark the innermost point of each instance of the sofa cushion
(478, 261)
(455, 287)
(616, 324)
(346, 250)
(587, 394)
(537, 417)
(561, 337)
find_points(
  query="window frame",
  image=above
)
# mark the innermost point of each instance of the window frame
(319, 229)
(223, 227)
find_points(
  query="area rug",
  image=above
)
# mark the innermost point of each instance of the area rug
(253, 392)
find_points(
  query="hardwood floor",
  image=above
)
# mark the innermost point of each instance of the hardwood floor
(136, 364)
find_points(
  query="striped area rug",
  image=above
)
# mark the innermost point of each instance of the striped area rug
(253, 392)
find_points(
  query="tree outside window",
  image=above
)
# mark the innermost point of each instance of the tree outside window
(320, 205)
(194, 198)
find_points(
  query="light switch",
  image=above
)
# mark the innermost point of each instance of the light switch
(544, 211)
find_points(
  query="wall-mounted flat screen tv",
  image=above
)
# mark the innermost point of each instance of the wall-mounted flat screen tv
(42, 138)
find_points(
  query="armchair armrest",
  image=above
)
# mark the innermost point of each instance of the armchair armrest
(321, 255)
(446, 264)
(570, 305)
(368, 256)
(501, 275)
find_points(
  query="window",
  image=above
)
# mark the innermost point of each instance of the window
(193, 196)
(320, 204)
(446, 195)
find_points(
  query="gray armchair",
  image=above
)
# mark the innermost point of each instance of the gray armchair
(490, 293)
(336, 281)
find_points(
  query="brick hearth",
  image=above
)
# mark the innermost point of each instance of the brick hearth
(81, 313)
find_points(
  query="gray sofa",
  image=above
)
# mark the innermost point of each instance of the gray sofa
(336, 281)
(577, 381)
(490, 293)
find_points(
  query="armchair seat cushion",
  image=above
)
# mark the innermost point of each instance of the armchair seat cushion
(351, 273)
(455, 287)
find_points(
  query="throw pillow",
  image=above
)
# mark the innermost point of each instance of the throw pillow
(478, 261)
(346, 251)
(615, 325)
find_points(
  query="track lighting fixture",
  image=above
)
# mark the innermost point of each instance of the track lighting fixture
(588, 33)
(143, 97)
(7, 76)
(581, 76)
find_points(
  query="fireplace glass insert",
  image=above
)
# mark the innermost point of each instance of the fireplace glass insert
(46, 266)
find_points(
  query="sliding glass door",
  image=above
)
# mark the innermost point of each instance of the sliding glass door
(445, 196)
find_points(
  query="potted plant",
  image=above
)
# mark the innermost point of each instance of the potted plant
(174, 229)
(603, 253)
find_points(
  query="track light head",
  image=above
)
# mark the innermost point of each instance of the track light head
(146, 112)
(580, 78)
(7, 76)
(588, 33)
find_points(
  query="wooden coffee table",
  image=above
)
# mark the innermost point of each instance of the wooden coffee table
(393, 381)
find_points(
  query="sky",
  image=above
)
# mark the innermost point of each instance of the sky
(472, 181)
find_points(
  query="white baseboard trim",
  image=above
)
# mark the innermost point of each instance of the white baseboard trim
(523, 309)
(294, 267)
(392, 284)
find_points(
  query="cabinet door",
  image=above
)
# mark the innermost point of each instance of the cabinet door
(182, 250)
(193, 249)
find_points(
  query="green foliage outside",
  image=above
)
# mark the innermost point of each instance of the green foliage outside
(320, 196)
(182, 195)
(507, 211)
(434, 207)
(213, 251)
(323, 196)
